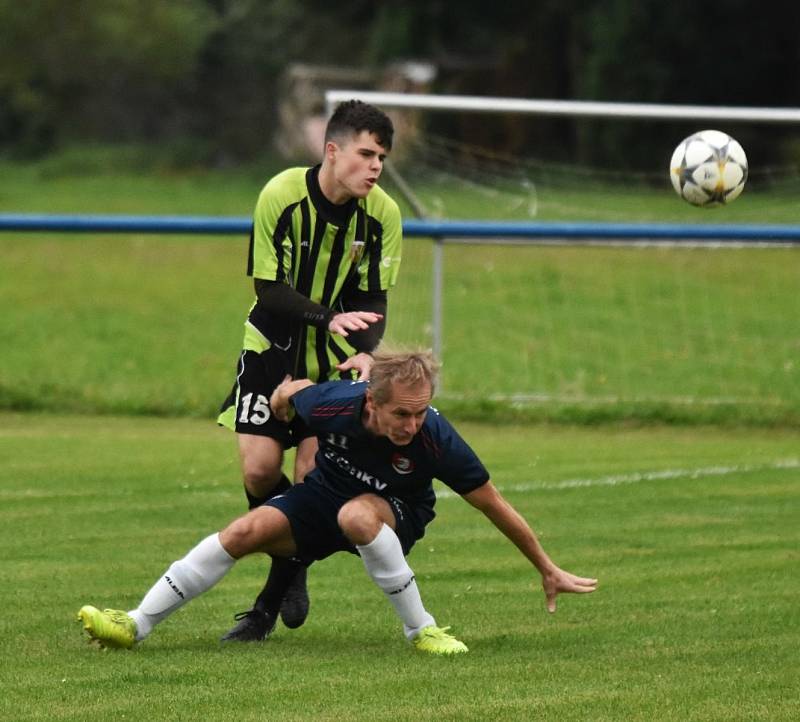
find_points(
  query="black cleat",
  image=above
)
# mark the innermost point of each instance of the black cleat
(294, 607)
(253, 626)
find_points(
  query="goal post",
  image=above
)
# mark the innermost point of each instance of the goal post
(590, 300)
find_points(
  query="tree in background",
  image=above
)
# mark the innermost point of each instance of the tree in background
(732, 53)
(209, 70)
(96, 69)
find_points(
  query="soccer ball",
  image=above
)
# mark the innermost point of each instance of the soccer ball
(708, 169)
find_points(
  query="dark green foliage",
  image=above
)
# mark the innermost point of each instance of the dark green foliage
(211, 70)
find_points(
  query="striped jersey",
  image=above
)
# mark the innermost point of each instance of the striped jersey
(322, 251)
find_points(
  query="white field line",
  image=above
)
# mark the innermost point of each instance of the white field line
(614, 480)
(637, 477)
(525, 399)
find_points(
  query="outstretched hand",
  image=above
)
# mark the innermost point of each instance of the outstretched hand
(556, 581)
(344, 323)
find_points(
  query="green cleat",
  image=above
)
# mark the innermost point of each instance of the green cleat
(109, 628)
(436, 640)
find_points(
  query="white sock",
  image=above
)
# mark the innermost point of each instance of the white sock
(186, 578)
(383, 557)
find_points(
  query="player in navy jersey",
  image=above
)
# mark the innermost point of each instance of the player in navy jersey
(381, 445)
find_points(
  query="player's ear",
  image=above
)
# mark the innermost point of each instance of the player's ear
(331, 148)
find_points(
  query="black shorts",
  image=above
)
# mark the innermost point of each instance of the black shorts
(312, 509)
(246, 409)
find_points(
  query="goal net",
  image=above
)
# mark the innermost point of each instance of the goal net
(698, 331)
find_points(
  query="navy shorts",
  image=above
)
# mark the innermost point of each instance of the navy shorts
(312, 509)
(246, 409)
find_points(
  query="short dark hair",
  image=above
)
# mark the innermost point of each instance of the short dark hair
(354, 116)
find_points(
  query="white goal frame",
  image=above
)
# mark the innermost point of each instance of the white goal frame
(573, 108)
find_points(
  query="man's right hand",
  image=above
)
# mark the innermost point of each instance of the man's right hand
(361, 362)
(343, 323)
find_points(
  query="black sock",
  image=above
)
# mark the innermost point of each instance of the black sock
(283, 485)
(281, 575)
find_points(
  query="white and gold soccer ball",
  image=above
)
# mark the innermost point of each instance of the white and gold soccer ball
(708, 169)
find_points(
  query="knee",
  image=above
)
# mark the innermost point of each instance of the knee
(260, 475)
(261, 460)
(242, 536)
(359, 522)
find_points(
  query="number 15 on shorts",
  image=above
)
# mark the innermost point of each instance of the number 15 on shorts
(258, 413)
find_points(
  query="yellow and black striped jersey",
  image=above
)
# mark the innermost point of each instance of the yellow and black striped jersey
(322, 251)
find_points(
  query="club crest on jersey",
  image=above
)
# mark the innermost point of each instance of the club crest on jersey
(402, 464)
(356, 251)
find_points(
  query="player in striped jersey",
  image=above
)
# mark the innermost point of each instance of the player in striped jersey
(324, 250)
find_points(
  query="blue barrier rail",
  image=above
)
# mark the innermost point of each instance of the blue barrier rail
(502, 231)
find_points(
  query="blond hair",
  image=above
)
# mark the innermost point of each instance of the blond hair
(408, 367)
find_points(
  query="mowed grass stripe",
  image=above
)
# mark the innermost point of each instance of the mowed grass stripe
(695, 619)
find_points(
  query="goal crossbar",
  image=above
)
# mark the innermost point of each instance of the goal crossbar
(577, 108)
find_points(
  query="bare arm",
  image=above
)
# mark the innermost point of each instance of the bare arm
(279, 400)
(508, 520)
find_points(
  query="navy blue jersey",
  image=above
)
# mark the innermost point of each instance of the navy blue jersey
(354, 461)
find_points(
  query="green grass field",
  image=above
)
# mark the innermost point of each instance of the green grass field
(693, 534)
(152, 324)
(115, 352)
